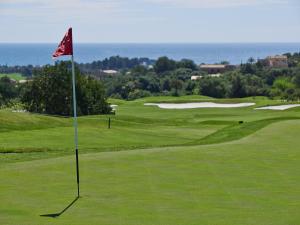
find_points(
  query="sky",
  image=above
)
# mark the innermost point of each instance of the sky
(150, 21)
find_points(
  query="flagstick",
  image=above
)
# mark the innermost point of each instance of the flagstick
(75, 123)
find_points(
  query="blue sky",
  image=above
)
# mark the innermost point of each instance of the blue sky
(154, 21)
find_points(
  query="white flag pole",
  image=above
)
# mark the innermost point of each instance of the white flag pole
(75, 122)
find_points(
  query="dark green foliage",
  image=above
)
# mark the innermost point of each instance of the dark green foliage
(115, 63)
(176, 85)
(164, 64)
(187, 63)
(8, 90)
(183, 74)
(51, 93)
(296, 79)
(190, 87)
(213, 87)
(24, 70)
(171, 77)
(293, 59)
(238, 86)
(248, 68)
(255, 86)
(285, 88)
(137, 93)
(140, 77)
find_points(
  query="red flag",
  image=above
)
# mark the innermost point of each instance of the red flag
(66, 45)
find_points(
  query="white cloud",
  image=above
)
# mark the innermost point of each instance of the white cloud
(215, 3)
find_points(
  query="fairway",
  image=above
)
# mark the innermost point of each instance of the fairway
(154, 166)
(15, 76)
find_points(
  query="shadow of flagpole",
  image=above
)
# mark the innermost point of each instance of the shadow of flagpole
(54, 215)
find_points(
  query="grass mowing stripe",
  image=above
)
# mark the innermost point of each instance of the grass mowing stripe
(238, 131)
(231, 182)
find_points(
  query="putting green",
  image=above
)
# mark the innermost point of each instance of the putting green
(154, 166)
(250, 181)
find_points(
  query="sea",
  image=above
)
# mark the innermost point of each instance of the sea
(235, 53)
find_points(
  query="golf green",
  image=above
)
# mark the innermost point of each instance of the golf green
(154, 166)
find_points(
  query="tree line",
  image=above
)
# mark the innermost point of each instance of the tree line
(49, 88)
(93, 68)
(169, 77)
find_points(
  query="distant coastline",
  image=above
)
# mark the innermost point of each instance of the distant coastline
(12, 54)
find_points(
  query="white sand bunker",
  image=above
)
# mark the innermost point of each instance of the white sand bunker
(114, 107)
(198, 105)
(280, 107)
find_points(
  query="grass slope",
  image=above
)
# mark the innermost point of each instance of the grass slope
(135, 126)
(254, 180)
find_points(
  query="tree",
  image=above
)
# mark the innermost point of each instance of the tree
(190, 87)
(187, 64)
(183, 74)
(238, 86)
(164, 64)
(296, 79)
(248, 68)
(8, 89)
(51, 92)
(283, 87)
(225, 63)
(213, 87)
(166, 85)
(135, 94)
(254, 86)
(177, 86)
(139, 70)
(251, 60)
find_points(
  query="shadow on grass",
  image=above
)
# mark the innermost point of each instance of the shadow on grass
(55, 215)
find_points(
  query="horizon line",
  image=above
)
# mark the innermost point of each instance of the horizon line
(263, 42)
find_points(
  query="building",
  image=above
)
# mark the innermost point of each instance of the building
(278, 61)
(216, 68)
(200, 77)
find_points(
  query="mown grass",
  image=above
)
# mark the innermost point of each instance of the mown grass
(239, 130)
(134, 126)
(195, 166)
(253, 180)
(15, 76)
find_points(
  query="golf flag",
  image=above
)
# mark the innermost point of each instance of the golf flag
(66, 45)
(66, 48)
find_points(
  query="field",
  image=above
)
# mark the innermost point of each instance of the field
(154, 166)
(15, 76)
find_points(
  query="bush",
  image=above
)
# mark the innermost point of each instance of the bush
(138, 94)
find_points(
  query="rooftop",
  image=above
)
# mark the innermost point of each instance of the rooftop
(213, 66)
(277, 57)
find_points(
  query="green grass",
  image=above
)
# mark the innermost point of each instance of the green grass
(15, 76)
(155, 166)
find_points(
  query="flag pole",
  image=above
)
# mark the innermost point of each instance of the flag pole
(75, 122)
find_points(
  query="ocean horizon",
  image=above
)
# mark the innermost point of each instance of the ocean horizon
(13, 54)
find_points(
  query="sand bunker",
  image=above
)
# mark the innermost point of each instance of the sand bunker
(280, 107)
(19, 111)
(198, 105)
(114, 107)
